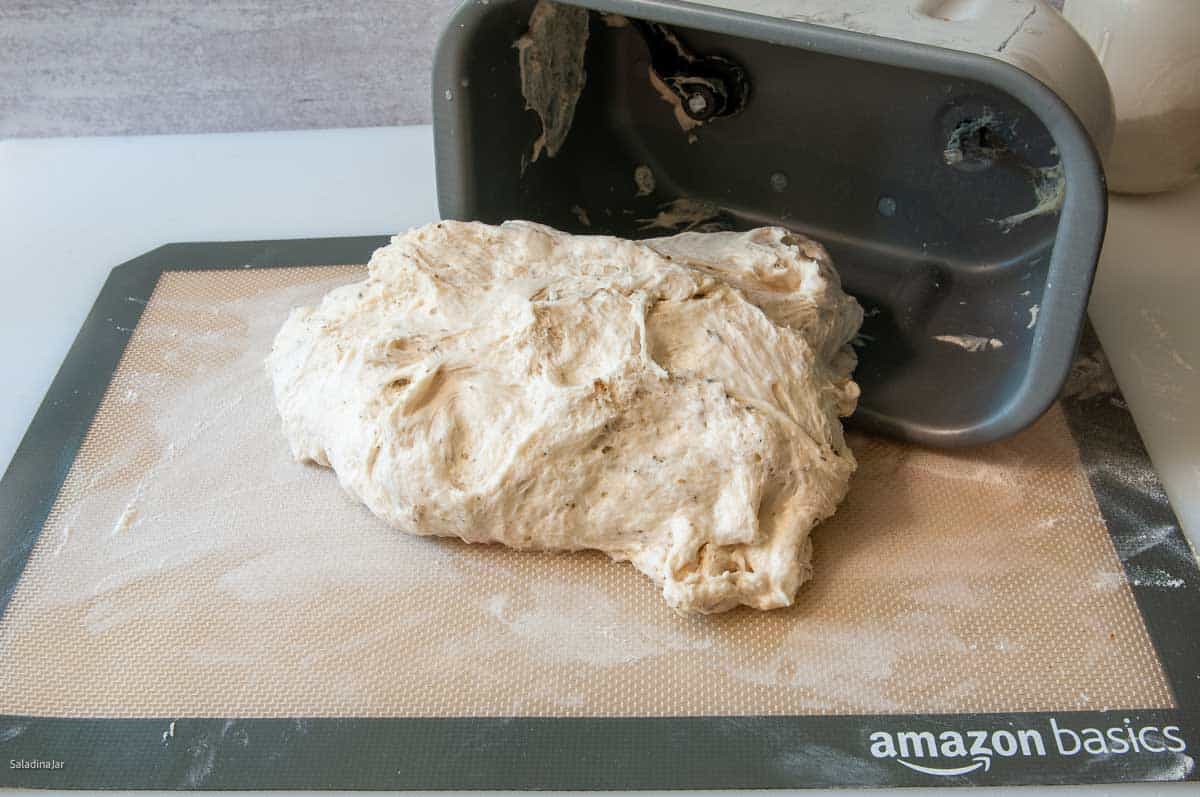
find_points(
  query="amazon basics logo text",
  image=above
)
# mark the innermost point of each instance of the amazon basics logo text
(947, 753)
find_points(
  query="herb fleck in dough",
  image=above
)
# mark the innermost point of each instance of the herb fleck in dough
(673, 402)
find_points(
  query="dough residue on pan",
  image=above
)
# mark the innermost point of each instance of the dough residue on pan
(970, 342)
(581, 214)
(643, 179)
(550, 56)
(1049, 193)
(683, 213)
(673, 402)
(686, 123)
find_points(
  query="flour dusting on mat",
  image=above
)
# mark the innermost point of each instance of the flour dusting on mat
(250, 585)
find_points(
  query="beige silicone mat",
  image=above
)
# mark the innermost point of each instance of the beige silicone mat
(191, 568)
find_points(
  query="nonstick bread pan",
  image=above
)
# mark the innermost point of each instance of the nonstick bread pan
(962, 199)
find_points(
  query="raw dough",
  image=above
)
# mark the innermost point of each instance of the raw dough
(673, 402)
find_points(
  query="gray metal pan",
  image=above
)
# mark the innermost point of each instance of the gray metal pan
(962, 200)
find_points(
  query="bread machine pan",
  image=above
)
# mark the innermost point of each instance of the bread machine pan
(961, 198)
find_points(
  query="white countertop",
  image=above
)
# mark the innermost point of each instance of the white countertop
(71, 209)
(1146, 310)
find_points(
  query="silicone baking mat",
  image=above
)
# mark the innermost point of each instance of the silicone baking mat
(187, 606)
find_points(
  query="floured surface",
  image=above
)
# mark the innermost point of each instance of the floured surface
(191, 568)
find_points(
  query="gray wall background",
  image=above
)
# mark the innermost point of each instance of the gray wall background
(111, 67)
(107, 67)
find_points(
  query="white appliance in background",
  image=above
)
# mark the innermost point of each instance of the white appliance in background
(1150, 51)
(1028, 34)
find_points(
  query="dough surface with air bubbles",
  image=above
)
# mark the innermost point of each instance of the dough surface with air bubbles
(673, 402)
